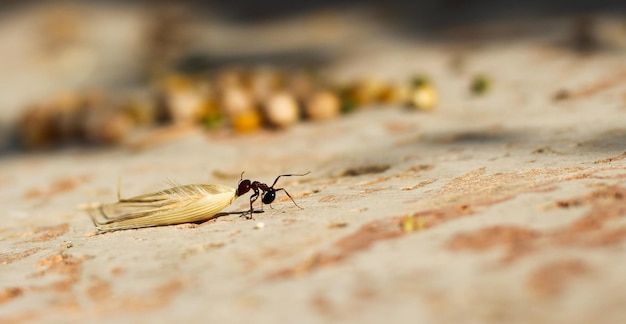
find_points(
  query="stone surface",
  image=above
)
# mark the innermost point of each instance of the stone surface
(508, 207)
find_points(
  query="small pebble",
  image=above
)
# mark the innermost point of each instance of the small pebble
(259, 225)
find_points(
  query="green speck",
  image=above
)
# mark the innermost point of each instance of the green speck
(420, 81)
(213, 120)
(480, 85)
(348, 105)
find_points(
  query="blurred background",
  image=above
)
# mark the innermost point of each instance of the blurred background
(96, 73)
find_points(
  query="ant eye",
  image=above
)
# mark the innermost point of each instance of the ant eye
(268, 197)
(244, 186)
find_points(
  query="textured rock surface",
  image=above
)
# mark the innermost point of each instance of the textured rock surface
(510, 207)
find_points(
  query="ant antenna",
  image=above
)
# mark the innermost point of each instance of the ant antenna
(288, 175)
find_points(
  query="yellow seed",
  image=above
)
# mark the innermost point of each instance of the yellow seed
(67, 101)
(184, 99)
(367, 92)
(396, 94)
(185, 106)
(408, 224)
(177, 83)
(301, 85)
(424, 97)
(180, 204)
(246, 122)
(36, 127)
(229, 78)
(264, 82)
(235, 101)
(141, 109)
(421, 223)
(323, 105)
(281, 110)
(211, 116)
(107, 126)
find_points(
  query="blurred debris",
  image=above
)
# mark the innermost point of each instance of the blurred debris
(141, 108)
(61, 28)
(71, 117)
(334, 225)
(365, 169)
(603, 84)
(611, 34)
(583, 37)
(168, 37)
(589, 34)
(244, 99)
(458, 62)
(481, 84)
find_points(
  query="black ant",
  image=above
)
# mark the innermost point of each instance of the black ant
(268, 193)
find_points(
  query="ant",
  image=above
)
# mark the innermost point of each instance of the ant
(268, 193)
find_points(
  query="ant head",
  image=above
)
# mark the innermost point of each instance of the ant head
(243, 187)
(269, 196)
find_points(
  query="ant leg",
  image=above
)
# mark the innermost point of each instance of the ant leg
(288, 195)
(288, 175)
(253, 198)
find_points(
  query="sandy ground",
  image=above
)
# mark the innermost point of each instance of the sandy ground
(509, 207)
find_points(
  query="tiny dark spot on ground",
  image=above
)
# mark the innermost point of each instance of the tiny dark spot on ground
(366, 169)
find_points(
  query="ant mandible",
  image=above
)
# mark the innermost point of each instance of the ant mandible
(268, 193)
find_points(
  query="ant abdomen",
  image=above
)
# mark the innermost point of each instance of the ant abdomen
(269, 197)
